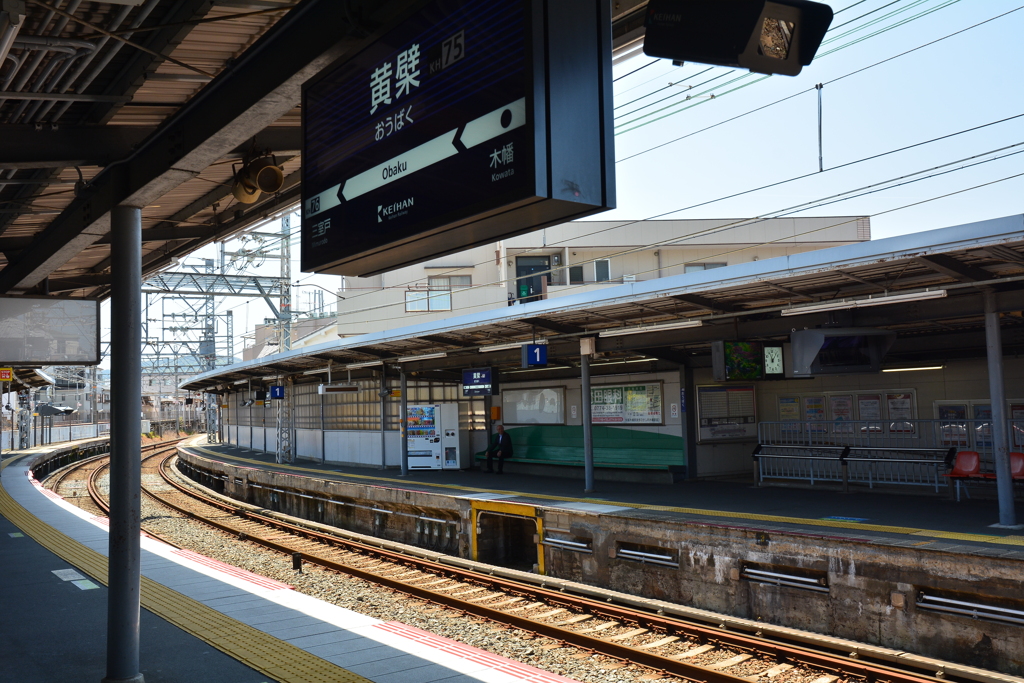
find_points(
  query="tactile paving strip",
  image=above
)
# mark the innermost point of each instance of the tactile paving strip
(275, 658)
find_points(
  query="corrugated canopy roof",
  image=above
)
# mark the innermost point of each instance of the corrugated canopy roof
(745, 301)
(152, 103)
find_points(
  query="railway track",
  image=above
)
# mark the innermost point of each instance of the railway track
(667, 647)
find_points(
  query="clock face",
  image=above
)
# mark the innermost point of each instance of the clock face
(773, 360)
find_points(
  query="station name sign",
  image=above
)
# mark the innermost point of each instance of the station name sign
(467, 122)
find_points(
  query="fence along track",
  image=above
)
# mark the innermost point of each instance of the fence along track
(691, 651)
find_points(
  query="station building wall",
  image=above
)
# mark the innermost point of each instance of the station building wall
(342, 428)
(962, 382)
(351, 428)
(616, 445)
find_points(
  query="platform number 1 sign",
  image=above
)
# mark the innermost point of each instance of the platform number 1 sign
(535, 355)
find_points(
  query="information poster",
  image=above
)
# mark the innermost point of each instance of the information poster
(983, 426)
(627, 404)
(869, 407)
(953, 425)
(1017, 426)
(901, 412)
(814, 411)
(539, 405)
(789, 413)
(726, 413)
(842, 411)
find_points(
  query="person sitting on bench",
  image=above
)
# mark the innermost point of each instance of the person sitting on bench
(503, 447)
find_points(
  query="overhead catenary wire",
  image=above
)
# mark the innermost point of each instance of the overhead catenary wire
(789, 97)
(847, 75)
(725, 197)
(876, 187)
(834, 80)
(641, 122)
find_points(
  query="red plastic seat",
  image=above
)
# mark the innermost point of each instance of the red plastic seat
(966, 466)
(1016, 467)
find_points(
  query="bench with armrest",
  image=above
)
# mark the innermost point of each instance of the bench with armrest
(828, 457)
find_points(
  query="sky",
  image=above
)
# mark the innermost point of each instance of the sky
(895, 74)
(961, 82)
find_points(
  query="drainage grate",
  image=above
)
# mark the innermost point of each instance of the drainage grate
(778, 578)
(647, 555)
(974, 610)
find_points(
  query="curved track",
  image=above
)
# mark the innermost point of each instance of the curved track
(665, 645)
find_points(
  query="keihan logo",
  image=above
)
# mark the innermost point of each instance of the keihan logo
(394, 210)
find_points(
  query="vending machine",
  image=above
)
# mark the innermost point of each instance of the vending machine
(434, 437)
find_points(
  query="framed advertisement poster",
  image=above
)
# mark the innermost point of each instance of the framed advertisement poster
(814, 411)
(1017, 424)
(953, 425)
(627, 404)
(726, 413)
(841, 407)
(982, 425)
(789, 414)
(901, 412)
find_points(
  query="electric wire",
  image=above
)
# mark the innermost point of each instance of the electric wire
(790, 97)
(834, 80)
(616, 80)
(725, 197)
(641, 122)
(888, 184)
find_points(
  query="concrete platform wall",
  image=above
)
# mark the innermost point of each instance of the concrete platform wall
(872, 587)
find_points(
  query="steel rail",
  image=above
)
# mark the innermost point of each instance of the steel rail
(844, 666)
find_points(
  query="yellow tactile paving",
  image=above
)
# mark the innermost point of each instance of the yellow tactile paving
(807, 521)
(273, 657)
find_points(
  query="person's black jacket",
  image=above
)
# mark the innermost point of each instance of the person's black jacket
(502, 444)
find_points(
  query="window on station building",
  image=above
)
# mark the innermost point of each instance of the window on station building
(602, 270)
(695, 267)
(438, 294)
(416, 301)
(575, 275)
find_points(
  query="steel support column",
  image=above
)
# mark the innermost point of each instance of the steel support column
(688, 411)
(997, 394)
(403, 419)
(383, 418)
(124, 566)
(588, 428)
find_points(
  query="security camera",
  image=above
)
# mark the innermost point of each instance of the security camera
(764, 36)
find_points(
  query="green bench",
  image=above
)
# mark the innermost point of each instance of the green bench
(614, 447)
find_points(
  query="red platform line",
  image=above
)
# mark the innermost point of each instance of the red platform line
(261, 581)
(523, 672)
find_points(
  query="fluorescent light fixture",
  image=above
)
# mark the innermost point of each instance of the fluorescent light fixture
(506, 347)
(241, 381)
(426, 356)
(318, 371)
(650, 328)
(366, 364)
(922, 367)
(866, 303)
